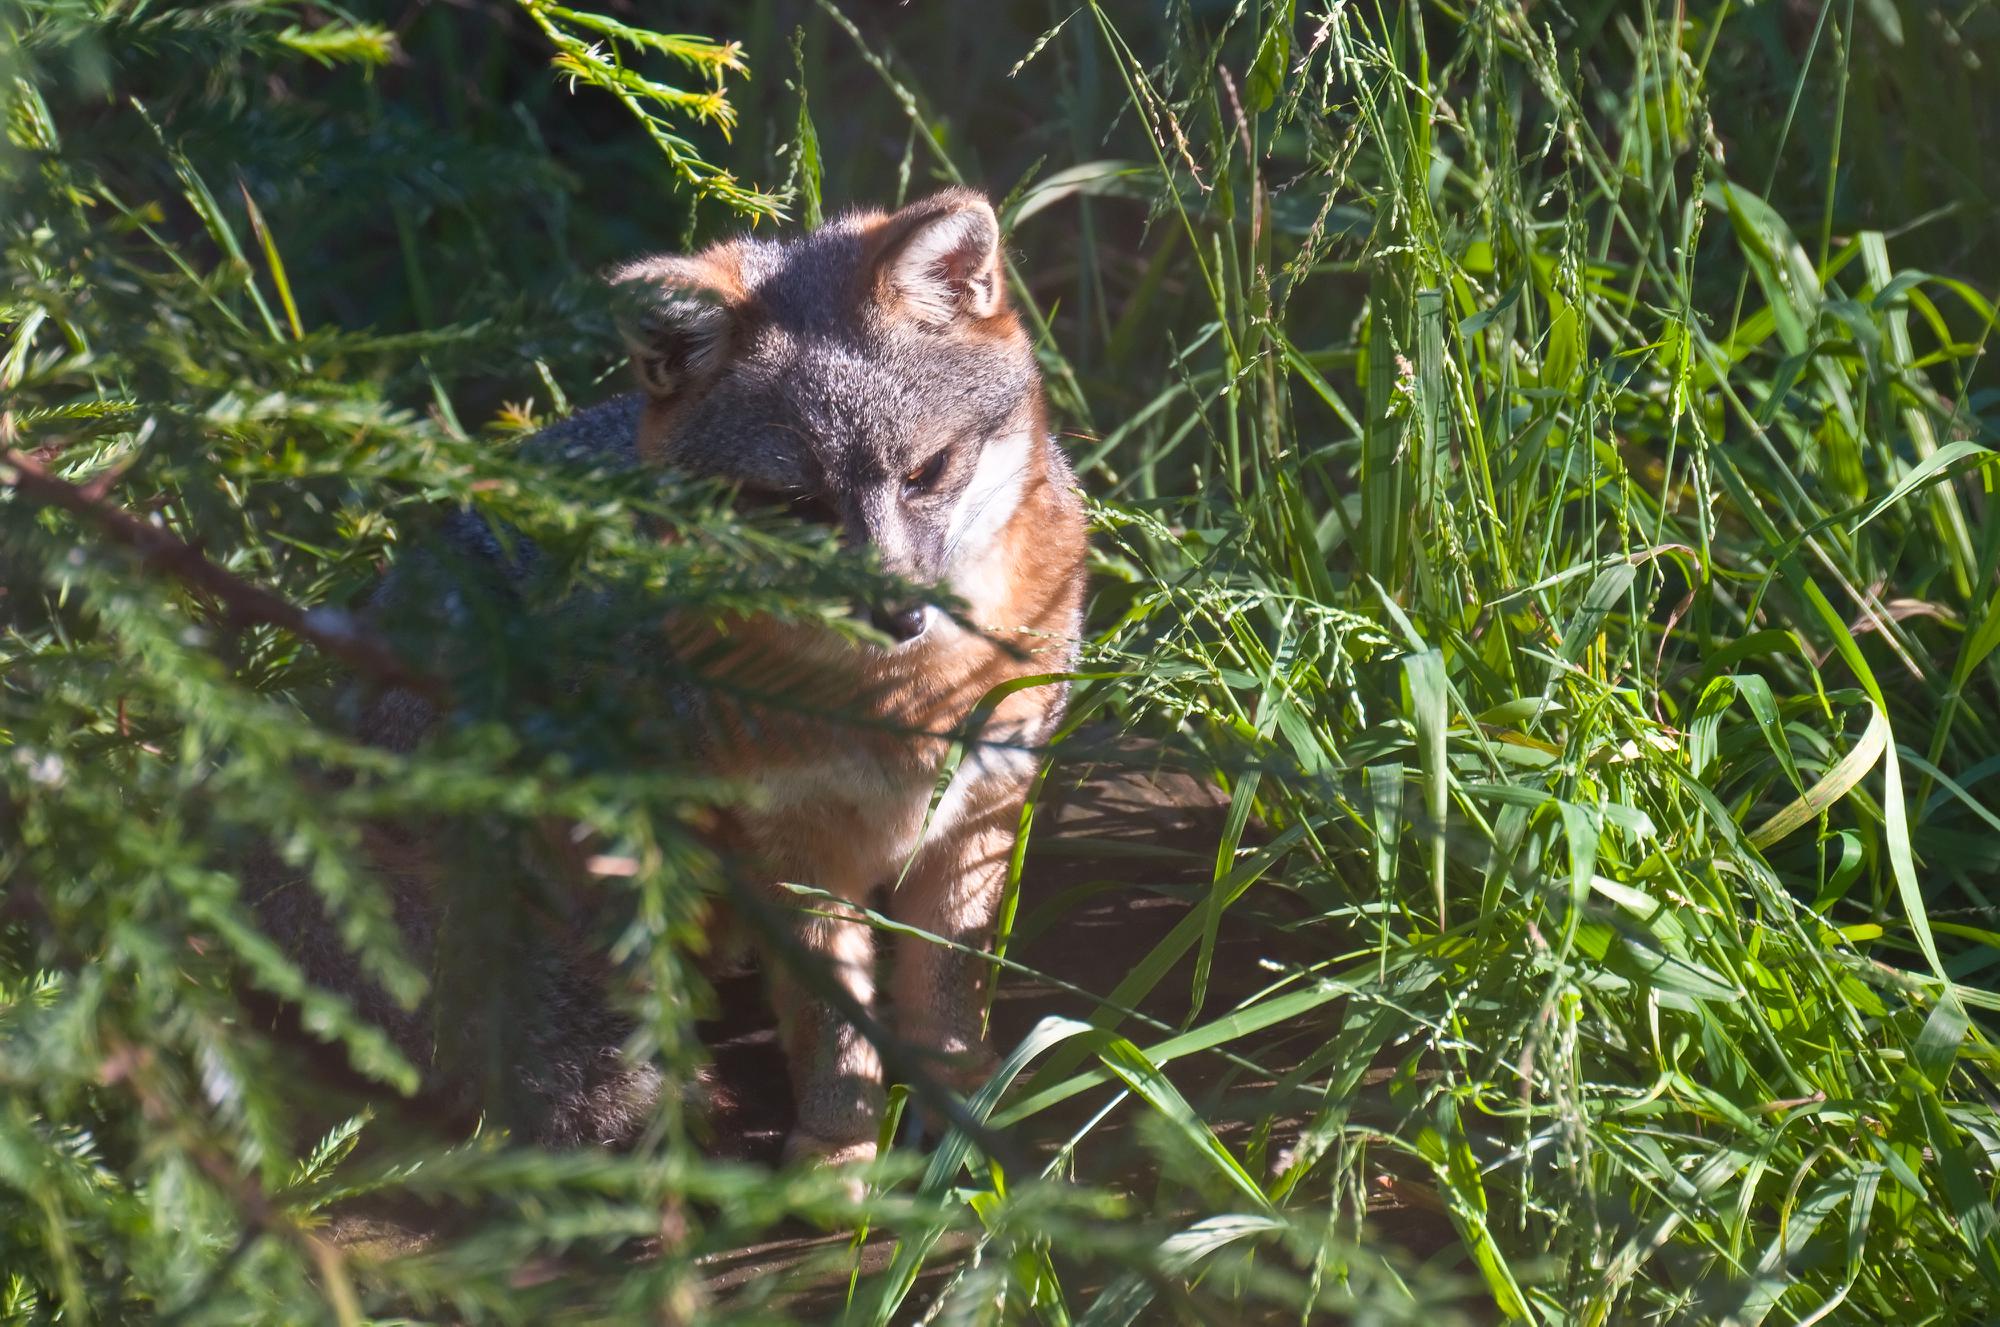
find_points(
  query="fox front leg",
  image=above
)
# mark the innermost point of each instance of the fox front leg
(836, 1074)
(953, 892)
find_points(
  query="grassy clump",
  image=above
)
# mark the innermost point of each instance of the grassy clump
(1541, 464)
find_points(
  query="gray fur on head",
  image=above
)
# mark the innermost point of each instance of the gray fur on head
(859, 369)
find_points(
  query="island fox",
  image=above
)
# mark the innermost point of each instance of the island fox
(870, 374)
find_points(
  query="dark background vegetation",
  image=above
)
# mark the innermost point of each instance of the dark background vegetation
(461, 183)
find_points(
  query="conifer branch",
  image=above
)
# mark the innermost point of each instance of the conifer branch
(334, 632)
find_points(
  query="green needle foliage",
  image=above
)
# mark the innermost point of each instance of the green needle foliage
(1543, 460)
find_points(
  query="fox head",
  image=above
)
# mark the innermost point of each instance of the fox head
(869, 375)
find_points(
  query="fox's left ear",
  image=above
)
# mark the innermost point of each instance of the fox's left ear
(940, 259)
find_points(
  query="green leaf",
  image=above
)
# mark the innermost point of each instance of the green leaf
(1425, 672)
(1830, 787)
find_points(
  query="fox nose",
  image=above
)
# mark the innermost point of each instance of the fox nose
(905, 622)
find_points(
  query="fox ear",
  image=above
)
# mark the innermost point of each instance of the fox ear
(677, 315)
(940, 261)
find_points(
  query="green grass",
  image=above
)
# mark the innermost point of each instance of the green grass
(1542, 468)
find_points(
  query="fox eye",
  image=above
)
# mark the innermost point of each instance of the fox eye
(921, 479)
